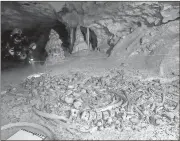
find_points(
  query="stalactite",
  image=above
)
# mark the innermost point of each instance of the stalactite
(88, 37)
(72, 38)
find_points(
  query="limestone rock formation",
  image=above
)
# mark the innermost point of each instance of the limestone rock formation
(119, 19)
(54, 49)
(170, 12)
(79, 44)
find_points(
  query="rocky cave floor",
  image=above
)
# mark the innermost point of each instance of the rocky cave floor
(96, 103)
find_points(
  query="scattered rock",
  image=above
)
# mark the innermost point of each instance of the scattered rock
(72, 98)
(69, 100)
(134, 120)
(74, 112)
(85, 115)
(78, 105)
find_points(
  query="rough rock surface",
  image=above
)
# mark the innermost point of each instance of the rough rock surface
(26, 14)
(126, 103)
(119, 18)
(150, 49)
(151, 112)
(170, 12)
(79, 44)
(54, 49)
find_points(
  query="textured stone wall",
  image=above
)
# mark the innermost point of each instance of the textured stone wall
(26, 14)
(118, 19)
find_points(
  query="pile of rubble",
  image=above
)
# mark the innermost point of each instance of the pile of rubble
(104, 101)
(90, 103)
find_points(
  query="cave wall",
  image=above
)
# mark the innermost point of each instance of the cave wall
(112, 22)
(109, 20)
(118, 19)
(26, 15)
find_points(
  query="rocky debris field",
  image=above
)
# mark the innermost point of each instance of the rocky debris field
(84, 106)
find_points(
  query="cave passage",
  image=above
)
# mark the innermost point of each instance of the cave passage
(39, 35)
(64, 33)
(92, 37)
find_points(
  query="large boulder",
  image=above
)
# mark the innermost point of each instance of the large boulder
(170, 12)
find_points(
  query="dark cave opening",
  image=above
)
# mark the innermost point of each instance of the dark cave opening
(38, 35)
(64, 33)
(92, 36)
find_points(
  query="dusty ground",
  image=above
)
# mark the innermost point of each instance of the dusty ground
(156, 120)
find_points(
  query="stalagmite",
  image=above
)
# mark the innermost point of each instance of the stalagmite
(54, 49)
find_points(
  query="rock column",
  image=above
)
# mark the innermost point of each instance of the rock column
(54, 49)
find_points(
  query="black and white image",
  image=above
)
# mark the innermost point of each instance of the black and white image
(90, 70)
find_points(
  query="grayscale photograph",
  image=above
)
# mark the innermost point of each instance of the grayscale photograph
(90, 70)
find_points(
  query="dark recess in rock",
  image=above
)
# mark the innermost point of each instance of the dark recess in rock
(40, 35)
(73, 39)
(93, 37)
(63, 32)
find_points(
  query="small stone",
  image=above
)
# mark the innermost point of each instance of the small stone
(55, 106)
(143, 124)
(159, 121)
(69, 92)
(34, 91)
(99, 115)
(83, 91)
(74, 112)
(134, 120)
(100, 128)
(102, 90)
(94, 94)
(171, 115)
(78, 104)
(92, 115)
(112, 113)
(85, 115)
(48, 108)
(117, 122)
(108, 97)
(69, 100)
(110, 120)
(117, 111)
(70, 87)
(99, 123)
(14, 89)
(75, 94)
(3, 92)
(105, 115)
(40, 84)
